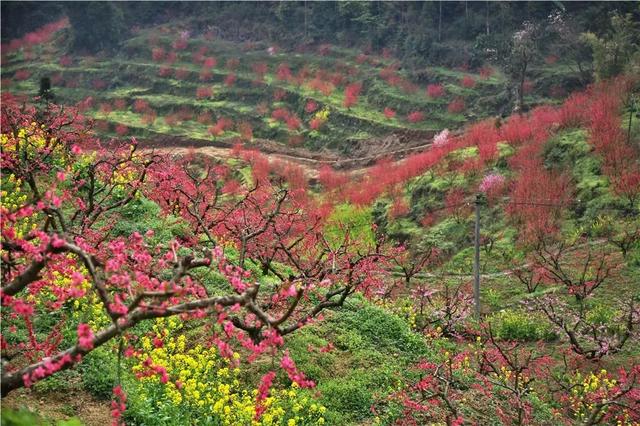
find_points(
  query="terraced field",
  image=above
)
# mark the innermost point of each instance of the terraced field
(193, 90)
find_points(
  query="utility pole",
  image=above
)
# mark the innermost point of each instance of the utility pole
(476, 260)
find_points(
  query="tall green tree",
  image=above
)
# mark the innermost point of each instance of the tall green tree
(96, 26)
(613, 52)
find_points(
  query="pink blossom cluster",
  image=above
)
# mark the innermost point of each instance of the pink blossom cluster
(263, 391)
(85, 337)
(118, 405)
(491, 181)
(294, 374)
(441, 138)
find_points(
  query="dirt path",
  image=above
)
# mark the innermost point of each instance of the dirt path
(310, 162)
(61, 405)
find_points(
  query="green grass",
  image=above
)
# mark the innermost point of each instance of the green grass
(373, 349)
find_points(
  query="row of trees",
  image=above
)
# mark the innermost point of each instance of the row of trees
(418, 32)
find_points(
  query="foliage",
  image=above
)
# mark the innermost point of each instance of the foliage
(96, 26)
(176, 384)
(99, 373)
(172, 282)
(518, 325)
(63, 245)
(614, 52)
(25, 417)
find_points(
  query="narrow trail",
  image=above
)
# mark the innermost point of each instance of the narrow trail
(309, 162)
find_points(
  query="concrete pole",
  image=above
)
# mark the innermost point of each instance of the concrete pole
(476, 260)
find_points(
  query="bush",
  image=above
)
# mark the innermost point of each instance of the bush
(25, 417)
(306, 349)
(56, 383)
(99, 373)
(353, 396)
(518, 325)
(384, 330)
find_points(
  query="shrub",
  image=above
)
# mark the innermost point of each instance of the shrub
(415, 117)
(519, 325)
(351, 396)
(99, 373)
(389, 113)
(468, 82)
(435, 90)
(380, 329)
(456, 106)
(56, 383)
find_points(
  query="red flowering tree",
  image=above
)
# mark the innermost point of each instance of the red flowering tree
(582, 269)
(230, 80)
(468, 82)
(351, 94)
(260, 69)
(415, 117)
(22, 74)
(456, 106)
(283, 72)
(204, 92)
(493, 380)
(435, 90)
(389, 113)
(157, 54)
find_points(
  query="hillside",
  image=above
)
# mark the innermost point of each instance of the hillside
(205, 228)
(199, 90)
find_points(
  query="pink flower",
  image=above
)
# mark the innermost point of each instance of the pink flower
(85, 337)
(441, 138)
(265, 384)
(117, 306)
(491, 181)
(296, 376)
(57, 242)
(26, 378)
(291, 291)
(287, 362)
(21, 307)
(228, 328)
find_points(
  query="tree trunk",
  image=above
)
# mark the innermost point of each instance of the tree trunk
(523, 74)
(440, 21)
(306, 25)
(631, 111)
(487, 17)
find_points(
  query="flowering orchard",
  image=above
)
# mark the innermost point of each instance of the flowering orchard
(63, 258)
